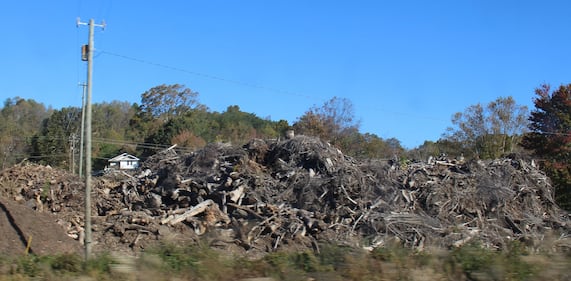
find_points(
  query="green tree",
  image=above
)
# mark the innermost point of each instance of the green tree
(20, 120)
(184, 131)
(394, 147)
(111, 119)
(550, 137)
(199, 126)
(161, 114)
(352, 143)
(371, 146)
(376, 147)
(444, 146)
(167, 101)
(52, 145)
(280, 127)
(509, 121)
(238, 127)
(111, 134)
(142, 125)
(491, 131)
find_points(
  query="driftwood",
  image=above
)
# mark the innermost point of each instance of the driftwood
(198, 209)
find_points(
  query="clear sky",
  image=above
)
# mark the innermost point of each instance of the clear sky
(407, 66)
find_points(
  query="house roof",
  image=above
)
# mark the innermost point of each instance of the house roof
(124, 157)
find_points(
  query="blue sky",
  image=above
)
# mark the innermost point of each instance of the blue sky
(407, 66)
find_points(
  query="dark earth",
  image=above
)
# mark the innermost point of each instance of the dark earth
(21, 226)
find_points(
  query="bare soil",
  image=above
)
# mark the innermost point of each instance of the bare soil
(24, 230)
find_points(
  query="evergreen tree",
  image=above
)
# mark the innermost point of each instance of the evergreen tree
(52, 145)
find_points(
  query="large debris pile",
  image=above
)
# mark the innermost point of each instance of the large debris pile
(294, 194)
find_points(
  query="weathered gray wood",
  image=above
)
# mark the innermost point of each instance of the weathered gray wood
(172, 220)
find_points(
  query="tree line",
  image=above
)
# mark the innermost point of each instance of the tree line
(172, 114)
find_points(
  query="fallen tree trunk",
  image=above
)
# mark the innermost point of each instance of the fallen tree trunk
(172, 220)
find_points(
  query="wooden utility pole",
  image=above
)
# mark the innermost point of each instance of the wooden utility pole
(72, 144)
(90, 49)
(81, 146)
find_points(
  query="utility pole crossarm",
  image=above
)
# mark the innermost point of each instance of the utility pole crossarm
(79, 22)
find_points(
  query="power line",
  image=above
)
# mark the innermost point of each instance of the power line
(139, 144)
(63, 139)
(208, 76)
(256, 86)
(551, 133)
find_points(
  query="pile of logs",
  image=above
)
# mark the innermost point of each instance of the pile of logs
(297, 193)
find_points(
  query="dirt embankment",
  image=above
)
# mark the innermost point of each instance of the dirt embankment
(288, 195)
(23, 230)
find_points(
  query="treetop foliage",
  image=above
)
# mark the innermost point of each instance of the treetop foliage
(335, 121)
(550, 137)
(330, 121)
(551, 123)
(167, 114)
(172, 114)
(490, 131)
(20, 119)
(168, 101)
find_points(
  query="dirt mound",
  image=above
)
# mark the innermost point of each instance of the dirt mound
(22, 230)
(29, 194)
(294, 194)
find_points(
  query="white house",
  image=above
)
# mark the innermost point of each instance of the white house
(124, 161)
